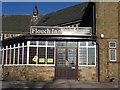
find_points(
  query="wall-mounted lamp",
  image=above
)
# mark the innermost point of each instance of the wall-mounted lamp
(102, 35)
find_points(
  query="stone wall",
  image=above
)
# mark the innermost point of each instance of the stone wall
(112, 71)
(29, 73)
(87, 73)
(44, 73)
(107, 24)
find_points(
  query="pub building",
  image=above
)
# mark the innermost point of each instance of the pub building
(70, 43)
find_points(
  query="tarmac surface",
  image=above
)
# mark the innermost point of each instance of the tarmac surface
(60, 84)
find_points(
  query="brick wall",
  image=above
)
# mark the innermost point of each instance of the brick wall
(107, 24)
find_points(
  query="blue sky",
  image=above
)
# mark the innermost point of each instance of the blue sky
(27, 7)
(44, 0)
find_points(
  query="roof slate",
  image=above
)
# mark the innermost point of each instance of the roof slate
(16, 23)
(64, 15)
(22, 23)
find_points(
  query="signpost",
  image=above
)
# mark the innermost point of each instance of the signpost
(47, 30)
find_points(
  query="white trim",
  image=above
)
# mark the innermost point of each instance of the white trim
(10, 55)
(6, 54)
(23, 53)
(95, 54)
(46, 53)
(112, 48)
(54, 54)
(30, 65)
(110, 54)
(28, 43)
(14, 55)
(18, 51)
(87, 65)
(37, 51)
(40, 46)
(112, 42)
(3, 57)
(87, 52)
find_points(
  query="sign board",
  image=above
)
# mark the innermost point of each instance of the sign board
(50, 60)
(47, 30)
(35, 58)
(41, 60)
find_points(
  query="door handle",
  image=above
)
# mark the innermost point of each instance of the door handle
(73, 67)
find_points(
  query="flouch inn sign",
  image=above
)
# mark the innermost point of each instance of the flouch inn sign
(43, 30)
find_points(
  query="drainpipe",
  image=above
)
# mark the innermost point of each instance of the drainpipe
(94, 17)
(97, 44)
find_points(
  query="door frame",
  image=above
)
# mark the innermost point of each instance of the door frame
(66, 51)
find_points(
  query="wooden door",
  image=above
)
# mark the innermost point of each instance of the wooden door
(66, 63)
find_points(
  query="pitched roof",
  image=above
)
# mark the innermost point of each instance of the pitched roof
(22, 23)
(16, 23)
(64, 15)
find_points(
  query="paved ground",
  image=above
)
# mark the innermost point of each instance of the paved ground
(58, 84)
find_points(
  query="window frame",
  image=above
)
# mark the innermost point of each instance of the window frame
(112, 48)
(110, 54)
(44, 46)
(87, 47)
(112, 42)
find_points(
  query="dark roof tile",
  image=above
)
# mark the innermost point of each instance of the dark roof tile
(16, 23)
(65, 15)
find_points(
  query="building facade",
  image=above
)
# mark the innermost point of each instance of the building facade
(83, 45)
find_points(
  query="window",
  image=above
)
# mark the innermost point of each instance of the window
(87, 53)
(50, 43)
(20, 55)
(71, 44)
(112, 50)
(35, 52)
(83, 56)
(16, 55)
(1, 36)
(12, 55)
(41, 43)
(79, 25)
(112, 54)
(50, 55)
(1, 56)
(62, 43)
(112, 44)
(32, 54)
(4, 57)
(32, 42)
(25, 55)
(42, 54)
(8, 56)
(91, 56)
(82, 43)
